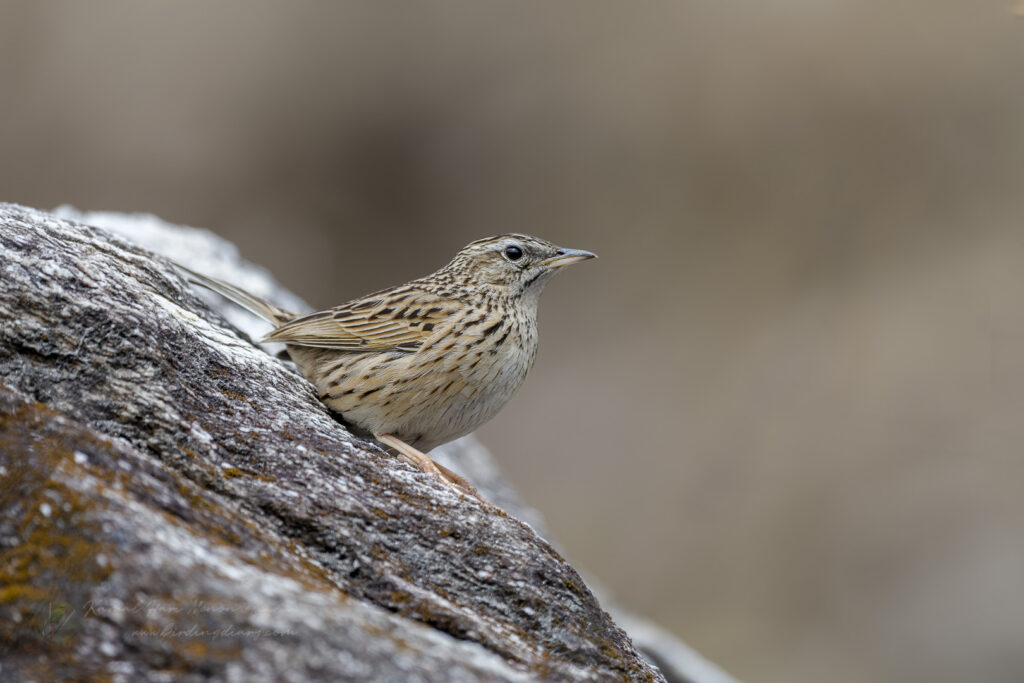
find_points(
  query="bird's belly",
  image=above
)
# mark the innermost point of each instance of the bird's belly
(461, 397)
(425, 399)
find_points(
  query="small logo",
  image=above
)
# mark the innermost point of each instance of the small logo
(52, 617)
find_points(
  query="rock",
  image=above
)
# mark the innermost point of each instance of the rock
(176, 504)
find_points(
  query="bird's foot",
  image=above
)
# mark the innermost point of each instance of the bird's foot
(422, 461)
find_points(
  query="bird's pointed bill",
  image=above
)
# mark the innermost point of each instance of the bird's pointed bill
(567, 257)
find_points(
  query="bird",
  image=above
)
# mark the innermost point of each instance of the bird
(421, 364)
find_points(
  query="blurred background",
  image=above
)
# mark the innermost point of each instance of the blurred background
(782, 414)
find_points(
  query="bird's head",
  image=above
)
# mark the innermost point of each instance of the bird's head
(513, 265)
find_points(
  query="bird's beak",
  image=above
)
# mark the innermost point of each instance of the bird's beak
(566, 257)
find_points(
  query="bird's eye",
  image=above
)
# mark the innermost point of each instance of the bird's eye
(513, 253)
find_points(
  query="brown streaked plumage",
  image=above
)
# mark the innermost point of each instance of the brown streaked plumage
(426, 362)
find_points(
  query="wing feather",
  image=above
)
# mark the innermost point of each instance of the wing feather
(370, 323)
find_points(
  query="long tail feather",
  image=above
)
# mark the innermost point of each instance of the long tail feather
(251, 302)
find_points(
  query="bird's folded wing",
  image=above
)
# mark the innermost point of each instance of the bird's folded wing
(401, 324)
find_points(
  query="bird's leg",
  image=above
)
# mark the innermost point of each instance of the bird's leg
(421, 460)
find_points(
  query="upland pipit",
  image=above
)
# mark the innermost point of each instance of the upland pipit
(426, 362)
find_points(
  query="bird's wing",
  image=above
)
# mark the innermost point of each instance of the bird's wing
(399, 319)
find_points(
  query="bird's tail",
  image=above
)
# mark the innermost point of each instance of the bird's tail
(251, 302)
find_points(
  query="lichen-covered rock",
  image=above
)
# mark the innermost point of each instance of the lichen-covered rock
(124, 568)
(176, 504)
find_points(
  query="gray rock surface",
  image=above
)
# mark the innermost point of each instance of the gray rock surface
(176, 504)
